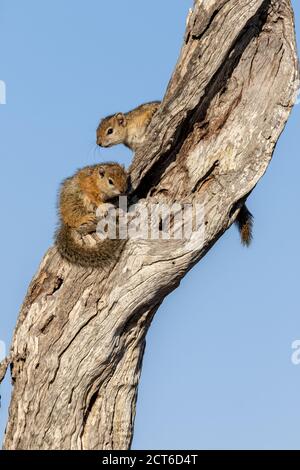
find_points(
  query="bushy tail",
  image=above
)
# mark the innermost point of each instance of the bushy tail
(244, 222)
(100, 256)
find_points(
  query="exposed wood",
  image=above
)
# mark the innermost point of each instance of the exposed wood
(78, 345)
(3, 368)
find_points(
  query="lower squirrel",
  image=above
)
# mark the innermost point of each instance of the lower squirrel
(80, 196)
(130, 129)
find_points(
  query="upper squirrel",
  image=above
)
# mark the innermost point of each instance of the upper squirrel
(130, 129)
(80, 197)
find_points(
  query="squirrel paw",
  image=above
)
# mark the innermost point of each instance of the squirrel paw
(87, 228)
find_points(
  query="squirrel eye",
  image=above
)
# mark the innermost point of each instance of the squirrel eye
(109, 131)
(110, 181)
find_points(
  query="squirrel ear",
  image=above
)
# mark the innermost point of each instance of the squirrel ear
(121, 118)
(101, 171)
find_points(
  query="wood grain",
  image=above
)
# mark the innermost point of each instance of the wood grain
(78, 346)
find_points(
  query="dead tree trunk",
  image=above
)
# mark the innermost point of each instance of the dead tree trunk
(78, 345)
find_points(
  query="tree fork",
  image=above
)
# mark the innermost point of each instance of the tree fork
(78, 346)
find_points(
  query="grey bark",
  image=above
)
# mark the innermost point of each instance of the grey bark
(78, 345)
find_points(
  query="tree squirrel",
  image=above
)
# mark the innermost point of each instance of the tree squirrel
(80, 197)
(130, 129)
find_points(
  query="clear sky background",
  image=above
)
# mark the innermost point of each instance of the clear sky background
(217, 371)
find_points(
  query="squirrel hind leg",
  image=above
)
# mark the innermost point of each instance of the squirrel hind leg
(244, 222)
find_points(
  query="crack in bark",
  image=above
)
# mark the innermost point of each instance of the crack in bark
(101, 363)
(208, 175)
(251, 30)
(60, 355)
(199, 36)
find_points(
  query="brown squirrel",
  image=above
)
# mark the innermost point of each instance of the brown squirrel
(80, 196)
(130, 129)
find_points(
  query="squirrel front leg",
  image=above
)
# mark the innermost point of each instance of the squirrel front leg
(86, 229)
(88, 224)
(88, 220)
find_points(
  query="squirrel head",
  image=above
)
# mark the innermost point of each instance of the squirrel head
(112, 130)
(101, 183)
(112, 179)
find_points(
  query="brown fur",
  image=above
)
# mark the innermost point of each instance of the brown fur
(80, 197)
(244, 222)
(128, 129)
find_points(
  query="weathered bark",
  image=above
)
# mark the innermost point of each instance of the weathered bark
(78, 346)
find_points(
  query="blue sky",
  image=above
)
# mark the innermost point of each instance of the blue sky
(217, 371)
